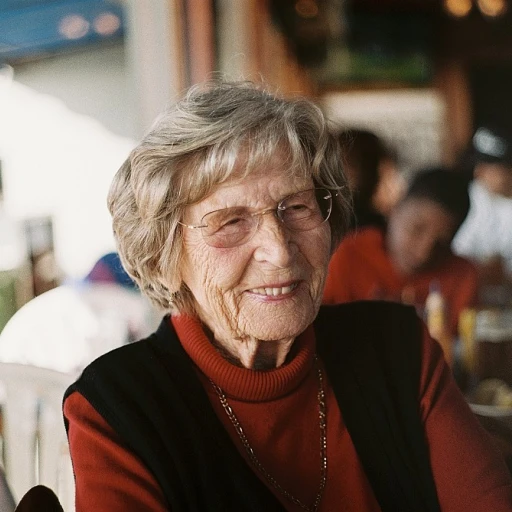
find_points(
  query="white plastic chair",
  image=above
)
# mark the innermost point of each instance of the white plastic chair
(35, 448)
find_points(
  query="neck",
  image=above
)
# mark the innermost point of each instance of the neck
(254, 354)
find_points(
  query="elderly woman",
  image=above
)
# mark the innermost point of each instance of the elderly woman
(250, 397)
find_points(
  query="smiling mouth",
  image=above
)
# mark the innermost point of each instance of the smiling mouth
(274, 292)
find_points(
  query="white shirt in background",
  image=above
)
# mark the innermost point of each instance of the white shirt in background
(487, 230)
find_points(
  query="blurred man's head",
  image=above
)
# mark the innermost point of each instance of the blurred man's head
(422, 226)
(491, 154)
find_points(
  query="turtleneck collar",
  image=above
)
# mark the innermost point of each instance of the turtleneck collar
(242, 383)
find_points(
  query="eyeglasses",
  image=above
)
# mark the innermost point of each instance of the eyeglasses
(231, 227)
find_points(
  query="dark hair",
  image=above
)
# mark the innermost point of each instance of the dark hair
(444, 186)
(488, 145)
(362, 152)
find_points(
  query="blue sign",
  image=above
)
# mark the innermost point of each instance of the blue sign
(32, 28)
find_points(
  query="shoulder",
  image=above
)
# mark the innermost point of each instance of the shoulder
(377, 340)
(479, 194)
(134, 383)
(504, 208)
(361, 241)
(462, 266)
(370, 235)
(381, 308)
(138, 363)
(378, 323)
(128, 355)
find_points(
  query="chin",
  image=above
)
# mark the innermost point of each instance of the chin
(280, 327)
(279, 320)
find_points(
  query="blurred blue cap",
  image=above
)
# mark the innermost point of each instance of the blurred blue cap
(109, 269)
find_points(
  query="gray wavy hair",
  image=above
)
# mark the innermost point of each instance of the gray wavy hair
(194, 146)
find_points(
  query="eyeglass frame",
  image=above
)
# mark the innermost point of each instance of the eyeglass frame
(278, 208)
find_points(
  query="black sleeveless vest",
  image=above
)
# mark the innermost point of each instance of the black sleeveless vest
(149, 394)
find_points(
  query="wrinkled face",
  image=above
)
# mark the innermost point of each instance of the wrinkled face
(419, 235)
(270, 287)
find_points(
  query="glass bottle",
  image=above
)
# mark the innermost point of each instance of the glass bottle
(436, 319)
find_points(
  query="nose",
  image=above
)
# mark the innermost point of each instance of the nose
(273, 242)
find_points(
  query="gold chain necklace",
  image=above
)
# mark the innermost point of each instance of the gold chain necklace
(257, 464)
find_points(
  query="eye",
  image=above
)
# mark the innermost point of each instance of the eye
(298, 207)
(232, 222)
(225, 222)
(295, 208)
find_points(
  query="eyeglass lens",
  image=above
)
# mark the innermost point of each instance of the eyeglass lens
(302, 211)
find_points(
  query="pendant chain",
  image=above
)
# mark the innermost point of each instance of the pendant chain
(257, 464)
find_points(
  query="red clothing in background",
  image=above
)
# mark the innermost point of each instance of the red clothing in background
(361, 269)
(275, 409)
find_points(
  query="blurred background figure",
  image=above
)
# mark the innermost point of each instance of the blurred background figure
(109, 269)
(109, 286)
(78, 321)
(486, 235)
(373, 176)
(412, 257)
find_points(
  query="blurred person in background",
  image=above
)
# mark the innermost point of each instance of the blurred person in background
(109, 269)
(79, 319)
(402, 262)
(109, 285)
(373, 176)
(250, 396)
(486, 235)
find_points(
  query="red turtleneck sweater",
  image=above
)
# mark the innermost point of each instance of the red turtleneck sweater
(274, 408)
